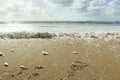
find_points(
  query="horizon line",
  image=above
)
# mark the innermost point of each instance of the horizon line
(59, 21)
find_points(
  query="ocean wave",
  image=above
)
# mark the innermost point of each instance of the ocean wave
(26, 35)
(45, 35)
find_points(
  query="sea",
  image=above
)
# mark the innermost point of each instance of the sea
(59, 26)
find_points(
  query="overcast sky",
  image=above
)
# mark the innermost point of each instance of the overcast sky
(60, 10)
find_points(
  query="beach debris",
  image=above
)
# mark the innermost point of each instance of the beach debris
(23, 67)
(12, 50)
(77, 65)
(1, 54)
(35, 74)
(6, 64)
(38, 67)
(44, 53)
(74, 52)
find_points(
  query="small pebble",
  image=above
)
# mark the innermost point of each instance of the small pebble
(0, 78)
(12, 75)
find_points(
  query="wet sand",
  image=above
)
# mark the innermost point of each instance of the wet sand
(60, 59)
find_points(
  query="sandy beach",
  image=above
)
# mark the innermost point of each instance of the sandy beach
(59, 39)
(62, 58)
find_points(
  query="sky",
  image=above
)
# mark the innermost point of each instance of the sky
(59, 10)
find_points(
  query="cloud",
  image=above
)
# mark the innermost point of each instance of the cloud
(58, 3)
(80, 5)
(92, 9)
(114, 7)
(98, 9)
(60, 10)
(18, 10)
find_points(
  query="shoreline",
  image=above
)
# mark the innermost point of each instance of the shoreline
(47, 35)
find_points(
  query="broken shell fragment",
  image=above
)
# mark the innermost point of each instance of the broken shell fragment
(38, 67)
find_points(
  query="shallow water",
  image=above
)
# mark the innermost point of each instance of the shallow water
(58, 27)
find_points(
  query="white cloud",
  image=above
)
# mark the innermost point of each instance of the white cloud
(17, 10)
(98, 9)
(58, 3)
(114, 7)
(80, 5)
(60, 10)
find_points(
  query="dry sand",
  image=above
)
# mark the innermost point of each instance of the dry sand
(66, 59)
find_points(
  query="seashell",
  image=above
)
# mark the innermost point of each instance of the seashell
(12, 50)
(73, 64)
(6, 64)
(1, 54)
(38, 67)
(44, 53)
(23, 67)
(75, 52)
